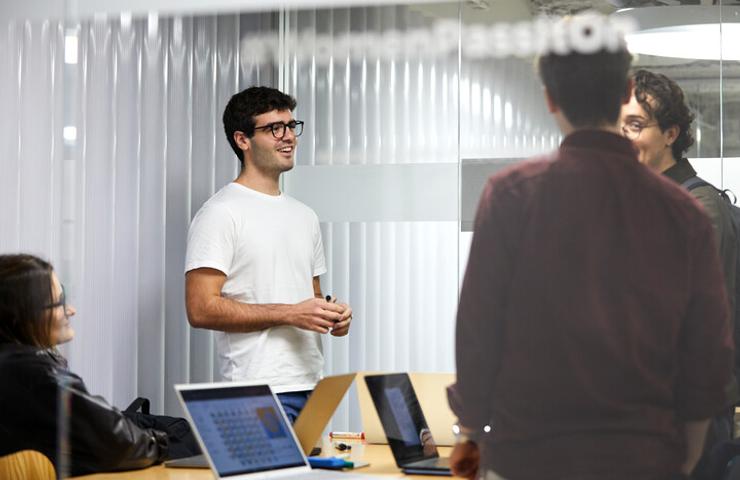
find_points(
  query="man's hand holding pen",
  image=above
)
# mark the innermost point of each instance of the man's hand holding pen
(341, 327)
(316, 315)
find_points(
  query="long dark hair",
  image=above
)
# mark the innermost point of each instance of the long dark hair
(25, 294)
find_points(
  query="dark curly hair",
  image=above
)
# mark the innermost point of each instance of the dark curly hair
(244, 106)
(668, 108)
(25, 294)
(588, 88)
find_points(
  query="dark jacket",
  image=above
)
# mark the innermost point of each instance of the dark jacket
(721, 218)
(100, 437)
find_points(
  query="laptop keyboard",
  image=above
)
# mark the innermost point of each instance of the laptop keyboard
(239, 432)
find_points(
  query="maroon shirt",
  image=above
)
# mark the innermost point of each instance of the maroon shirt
(593, 319)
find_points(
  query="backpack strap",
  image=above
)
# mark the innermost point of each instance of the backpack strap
(727, 193)
(695, 182)
(140, 402)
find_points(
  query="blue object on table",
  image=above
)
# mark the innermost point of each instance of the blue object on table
(333, 463)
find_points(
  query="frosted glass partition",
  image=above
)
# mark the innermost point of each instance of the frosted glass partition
(111, 139)
(101, 175)
(730, 100)
(149, 95)
(503, 119)
(502, 110)
(378, 162)
(31, 149)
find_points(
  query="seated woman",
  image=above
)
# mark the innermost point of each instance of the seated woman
(34, 318)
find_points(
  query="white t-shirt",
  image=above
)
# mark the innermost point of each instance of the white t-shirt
(270, 249)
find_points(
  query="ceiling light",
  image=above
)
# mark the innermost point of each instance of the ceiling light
(692, 32)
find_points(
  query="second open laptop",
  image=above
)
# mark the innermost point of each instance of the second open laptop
(244, 433)
(309, 425)
(405, 426)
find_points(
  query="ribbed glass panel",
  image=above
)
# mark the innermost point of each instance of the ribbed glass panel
(31, 92)
(153, 115)
(380, 114)
(730, 101)
(502, 110)
(105, 160)
(111, 204)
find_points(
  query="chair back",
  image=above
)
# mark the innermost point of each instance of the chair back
(26, 465)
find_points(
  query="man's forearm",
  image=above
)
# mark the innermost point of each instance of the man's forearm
(695, 433)
(226, 315)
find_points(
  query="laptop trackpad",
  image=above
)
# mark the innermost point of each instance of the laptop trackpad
(438, 463)
(196, 461)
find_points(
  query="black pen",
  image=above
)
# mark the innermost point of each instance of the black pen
(331, 300)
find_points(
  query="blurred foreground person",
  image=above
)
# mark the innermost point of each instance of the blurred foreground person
(592, 332)
(34, 318)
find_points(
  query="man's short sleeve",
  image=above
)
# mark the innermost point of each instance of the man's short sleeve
(211, 240)
(319, 263)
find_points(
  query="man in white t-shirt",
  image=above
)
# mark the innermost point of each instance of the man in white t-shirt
(254, 257)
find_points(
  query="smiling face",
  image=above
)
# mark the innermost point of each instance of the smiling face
(60, 330)
(652, 143)
(269, 154)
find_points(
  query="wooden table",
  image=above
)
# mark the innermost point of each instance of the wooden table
(379, 457)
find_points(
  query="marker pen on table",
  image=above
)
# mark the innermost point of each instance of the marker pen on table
(348, 435)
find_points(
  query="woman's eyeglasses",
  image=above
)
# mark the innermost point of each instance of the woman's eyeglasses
(62, 302)
(632, 130)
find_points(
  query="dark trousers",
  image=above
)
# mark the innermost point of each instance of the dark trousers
(719, 448)
(293, 403)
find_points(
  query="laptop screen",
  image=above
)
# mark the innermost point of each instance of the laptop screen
(243, 429)
(400, 413)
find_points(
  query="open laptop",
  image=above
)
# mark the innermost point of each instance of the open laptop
(245, 434)
(309, 425)
(431, 390)
(320, 407)
(405, 427)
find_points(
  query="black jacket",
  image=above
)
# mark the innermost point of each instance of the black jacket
(721, 217)
(101, 438)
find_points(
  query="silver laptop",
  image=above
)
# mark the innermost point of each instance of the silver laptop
(245, 434)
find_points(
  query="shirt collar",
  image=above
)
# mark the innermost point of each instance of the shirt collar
(600, 140)
(681, 171)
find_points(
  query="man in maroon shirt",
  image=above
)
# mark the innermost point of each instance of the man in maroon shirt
(592, 333)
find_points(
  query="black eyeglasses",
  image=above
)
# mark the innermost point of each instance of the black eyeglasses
(633, 129)
(62, 302)
(278, 128)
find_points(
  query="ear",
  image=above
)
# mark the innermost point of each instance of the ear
(628, 92)
(242, 141)
(552, 107)
(671, 134)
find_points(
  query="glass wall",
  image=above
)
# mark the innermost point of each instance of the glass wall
(112, 141)
(378, 164)
(730, 98)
